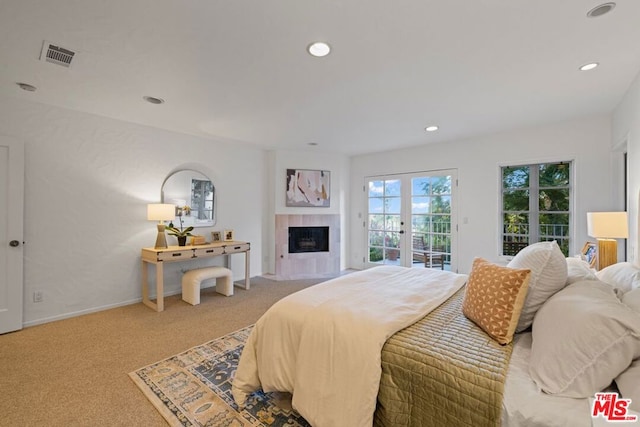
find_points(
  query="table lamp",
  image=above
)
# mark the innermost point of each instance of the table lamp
(161, 212)
(606, 227)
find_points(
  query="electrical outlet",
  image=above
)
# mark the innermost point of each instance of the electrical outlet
(37, 296)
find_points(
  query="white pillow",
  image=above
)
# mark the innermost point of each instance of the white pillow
(548, 275)
(623, 276)
(632, 299)
(583, 338)
(628, 384)
(579, 269)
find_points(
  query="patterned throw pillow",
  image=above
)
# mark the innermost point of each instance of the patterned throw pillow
(494, 298)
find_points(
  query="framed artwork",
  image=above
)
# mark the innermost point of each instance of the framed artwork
(589, 253)
(228, 235)
(308, 188)
(216, 236)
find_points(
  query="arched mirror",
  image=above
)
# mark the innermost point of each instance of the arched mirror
(194, 195)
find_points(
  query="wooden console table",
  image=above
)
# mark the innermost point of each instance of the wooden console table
(185, 254)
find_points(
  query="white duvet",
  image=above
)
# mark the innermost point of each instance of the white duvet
(323, 344)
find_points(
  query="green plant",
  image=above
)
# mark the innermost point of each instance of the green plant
(182, 232)
(375, 254)
(392, 240)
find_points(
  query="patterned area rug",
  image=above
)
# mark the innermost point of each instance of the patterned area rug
(194, 388)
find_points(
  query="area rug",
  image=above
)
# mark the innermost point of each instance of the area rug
(194, 388)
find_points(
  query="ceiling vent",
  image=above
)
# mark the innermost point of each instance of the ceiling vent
(56, 54)
(601, 10)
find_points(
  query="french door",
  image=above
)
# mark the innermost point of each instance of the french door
(411, 220)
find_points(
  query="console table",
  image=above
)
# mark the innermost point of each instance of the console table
(185, 254)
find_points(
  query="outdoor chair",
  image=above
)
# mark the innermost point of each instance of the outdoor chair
(421, 253)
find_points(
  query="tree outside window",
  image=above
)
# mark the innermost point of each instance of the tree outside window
(431, 213)
(536, 205)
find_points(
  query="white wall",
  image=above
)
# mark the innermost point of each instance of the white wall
(87, 182)
(478, 162)
(279, 162)
(626, 133)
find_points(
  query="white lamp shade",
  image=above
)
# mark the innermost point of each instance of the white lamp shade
(160, 211)
(607, 225)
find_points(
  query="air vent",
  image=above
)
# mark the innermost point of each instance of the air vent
(56, 54)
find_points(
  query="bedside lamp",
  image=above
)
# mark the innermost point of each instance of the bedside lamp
(161, 212)
(606, 227)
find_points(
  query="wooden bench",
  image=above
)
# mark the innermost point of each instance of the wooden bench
(192, 279)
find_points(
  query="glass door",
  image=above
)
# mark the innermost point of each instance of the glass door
(384, 225)
(431, 221)
(411, 220)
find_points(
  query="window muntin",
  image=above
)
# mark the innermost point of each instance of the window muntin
(536, 205)
(384, 220)
(431, 213)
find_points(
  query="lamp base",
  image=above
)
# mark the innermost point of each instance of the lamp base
(607, 252)
(161, 240)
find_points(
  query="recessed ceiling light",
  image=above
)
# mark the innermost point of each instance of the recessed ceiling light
(601, 10)
(27, 87)
(590, 66)
(319, 49)
(431, 128)
(153, 100)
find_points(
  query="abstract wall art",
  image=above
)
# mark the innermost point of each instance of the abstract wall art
(308, 188)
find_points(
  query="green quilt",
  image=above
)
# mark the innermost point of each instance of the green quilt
(442, 371)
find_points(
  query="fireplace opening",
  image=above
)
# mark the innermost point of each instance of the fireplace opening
(308, 239)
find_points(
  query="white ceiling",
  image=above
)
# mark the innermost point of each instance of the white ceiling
(238, 70)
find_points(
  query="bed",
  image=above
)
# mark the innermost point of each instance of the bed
(389, 346)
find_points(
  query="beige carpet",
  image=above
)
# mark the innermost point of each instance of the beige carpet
(73, 372)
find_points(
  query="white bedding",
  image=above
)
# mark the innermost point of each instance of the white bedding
(524, 405)
(323, 344)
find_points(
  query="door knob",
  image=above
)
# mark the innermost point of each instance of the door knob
(14, 243)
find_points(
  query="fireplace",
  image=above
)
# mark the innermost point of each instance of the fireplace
(308, 239)
(299, 254)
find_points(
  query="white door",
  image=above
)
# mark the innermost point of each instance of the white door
(411, 220)
(11, 233)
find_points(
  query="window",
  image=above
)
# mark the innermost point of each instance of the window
(536, 206)
(202, 199)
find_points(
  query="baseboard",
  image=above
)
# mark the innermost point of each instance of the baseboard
(178, 290)
(92, 310)
(326, 276)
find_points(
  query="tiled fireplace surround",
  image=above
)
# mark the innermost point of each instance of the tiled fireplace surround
(309, 264)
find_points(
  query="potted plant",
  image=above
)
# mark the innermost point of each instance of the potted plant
(181, 233)
(392, 254)
(392, 243)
